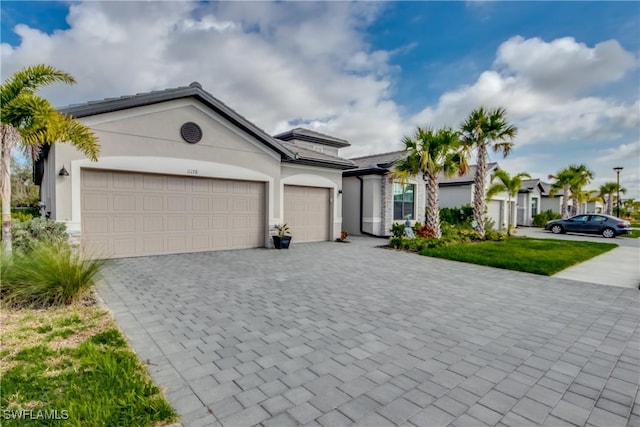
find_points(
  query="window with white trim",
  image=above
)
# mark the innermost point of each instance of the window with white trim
(403, 201)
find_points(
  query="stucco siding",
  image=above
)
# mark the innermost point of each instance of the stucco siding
(454, 197)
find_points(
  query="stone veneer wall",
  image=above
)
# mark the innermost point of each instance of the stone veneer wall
(387, 202)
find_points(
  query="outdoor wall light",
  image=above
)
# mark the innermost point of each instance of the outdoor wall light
(340, 191)
(63, 172)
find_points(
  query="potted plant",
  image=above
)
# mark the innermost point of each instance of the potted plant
(283, 238)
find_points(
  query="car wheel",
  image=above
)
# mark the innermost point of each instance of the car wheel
(608, 233)
(556, 229)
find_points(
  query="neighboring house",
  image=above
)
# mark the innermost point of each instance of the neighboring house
(373, 201)
(457, 191)
(549, 202)
(179, 171)
(529, 200)
(594, 204)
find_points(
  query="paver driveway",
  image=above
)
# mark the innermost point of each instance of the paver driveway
(339, 334)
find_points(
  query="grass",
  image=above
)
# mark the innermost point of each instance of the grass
(635, 224)
(74, 364)
(538, 256)
(633, 235)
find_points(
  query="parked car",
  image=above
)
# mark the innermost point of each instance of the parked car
(607, 225)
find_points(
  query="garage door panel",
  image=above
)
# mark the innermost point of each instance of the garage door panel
(176, 223)
(307, 213)
(124, 224)
(152, 182)
(152, 203)
(167, 214)
(152, 224)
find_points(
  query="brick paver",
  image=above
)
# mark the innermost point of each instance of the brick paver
(350, 334)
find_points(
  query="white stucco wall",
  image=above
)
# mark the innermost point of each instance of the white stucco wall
(147, 139)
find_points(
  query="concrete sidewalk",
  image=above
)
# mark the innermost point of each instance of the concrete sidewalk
(618, 267)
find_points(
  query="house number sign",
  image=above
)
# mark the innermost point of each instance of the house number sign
(192, 171)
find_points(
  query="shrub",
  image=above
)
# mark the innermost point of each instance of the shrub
(397, 229)
(457, 216)
(23, 215)
(425, 231)
(543, 217)
(494, 235)
(50, 274)
(27, 234)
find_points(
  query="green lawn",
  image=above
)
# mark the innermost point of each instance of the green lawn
(633, 235)
(635, 224)
(539, 256)
(73, 366)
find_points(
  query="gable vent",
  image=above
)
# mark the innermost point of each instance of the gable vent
(191, 132)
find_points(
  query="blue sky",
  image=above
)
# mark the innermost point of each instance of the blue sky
(567, 72)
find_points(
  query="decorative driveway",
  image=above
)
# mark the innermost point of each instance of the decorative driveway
(338, 334)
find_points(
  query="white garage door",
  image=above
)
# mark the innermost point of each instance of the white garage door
(306, 211)
(133, 214)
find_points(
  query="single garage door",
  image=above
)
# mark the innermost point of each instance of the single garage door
(133, 214)
(306, 211)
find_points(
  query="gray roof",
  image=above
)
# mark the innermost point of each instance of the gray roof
(529, 184)
(311, 157)
(303, 134)
(467, 178)
(382, 160)
(194, 90)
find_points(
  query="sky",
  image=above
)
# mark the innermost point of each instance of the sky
(567, 73)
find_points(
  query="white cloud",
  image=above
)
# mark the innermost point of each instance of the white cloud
(539, 84)
(275, 63)
(309, 63)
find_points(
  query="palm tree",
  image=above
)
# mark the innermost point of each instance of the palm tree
(481, 130)
(563, 180)
(28, 121)
(509, 184)
(608, 191)
(431, 153)
(581, 176)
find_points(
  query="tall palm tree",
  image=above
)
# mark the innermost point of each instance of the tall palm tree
(28, 121)
(482, 130)
(608, 191)
(563, 180)
(581, 176)
(509, 184)
(430, 153)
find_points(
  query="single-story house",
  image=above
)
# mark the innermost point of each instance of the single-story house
(179, 171)
(529, 200)
(457, 191)
(372, 201)
(549, 202)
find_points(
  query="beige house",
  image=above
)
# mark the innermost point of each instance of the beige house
(179, 171)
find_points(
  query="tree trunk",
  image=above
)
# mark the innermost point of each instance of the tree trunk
(609, 204)
(509, 215)
(433, 204)
(565, 203)
(7, 139)
(479, 190)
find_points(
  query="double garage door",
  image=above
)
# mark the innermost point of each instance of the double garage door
(127, 214)
(132, 214)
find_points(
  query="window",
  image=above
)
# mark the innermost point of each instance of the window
(403, 201)
(534, 207)
(598, 218)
